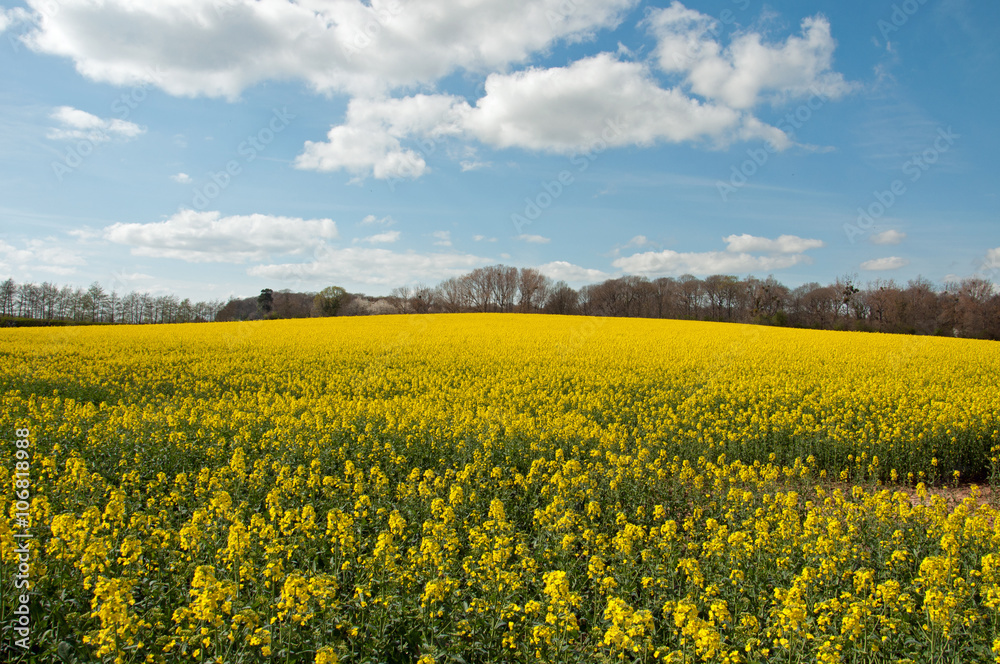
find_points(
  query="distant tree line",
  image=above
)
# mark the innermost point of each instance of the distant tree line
(28, 303)
(969, 308)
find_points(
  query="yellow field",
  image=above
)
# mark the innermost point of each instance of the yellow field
(493, 487)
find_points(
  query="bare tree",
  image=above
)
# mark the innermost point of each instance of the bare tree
(481, 289)
(881, 296)
(973, 316)
(562, 300)
(399, 298)
(504, 280)
(454, 294)
(921, 307)
(96, 301)
(533, 288)
(422, 299)
(691, 291)
(8, 291)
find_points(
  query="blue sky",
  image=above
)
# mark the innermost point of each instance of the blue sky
(211, 148)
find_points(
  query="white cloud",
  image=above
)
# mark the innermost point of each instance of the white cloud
(443, 238)
(564, 271)
(11, 17)
(993, 258)
(379, 221)
(220, 48)
(888, 263)
(568, 109)
(123, 281)
(86, 234)
(370, 265)
(381, 238)
(372, 48)
(198, 237)
(181, 178)
(561, 110)
(659, 263)
(369, 143)
(785, 244)
(533, 239)
(888, 237)
(360, 151)
(749, 70)
(80, 125)
(470, 165)
(47, 256)
(638, 241)
(744, 253)
(481, 238)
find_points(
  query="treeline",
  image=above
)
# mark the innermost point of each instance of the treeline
(969, 308)
(32, 304)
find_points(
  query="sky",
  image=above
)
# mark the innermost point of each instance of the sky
(212, 148)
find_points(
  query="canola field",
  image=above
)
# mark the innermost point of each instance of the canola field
(496, 488)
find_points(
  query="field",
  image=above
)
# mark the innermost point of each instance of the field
(487, 488)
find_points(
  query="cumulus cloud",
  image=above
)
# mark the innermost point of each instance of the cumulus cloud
(37, 255)
(744, 253)
(565, 271)
(371, 220)
(199, 237)
(533, 239)
(993, 258)
(381, 238)
(785, 244)
(75, 124)
(221, 48)
(888, 263)
(373, 48)
(559, 109)
(749, 70)
(888, 237)
(181, 178)
(11, 17)
(567, 109)
(471, 165)
(442, 238)
(659, 263)
(371, 265)
(370, 140)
